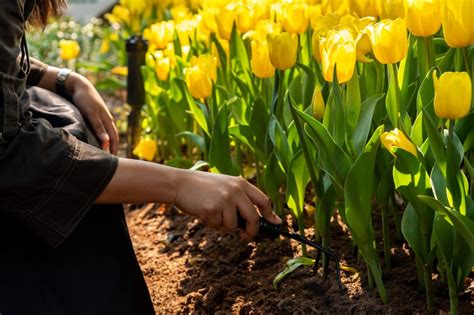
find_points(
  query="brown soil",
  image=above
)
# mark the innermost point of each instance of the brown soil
(192, 269)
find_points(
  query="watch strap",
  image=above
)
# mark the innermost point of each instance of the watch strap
(61, 82)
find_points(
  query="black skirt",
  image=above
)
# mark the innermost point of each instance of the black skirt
(87, 264)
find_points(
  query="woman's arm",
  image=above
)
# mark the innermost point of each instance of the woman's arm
(86, 98)
(213, 198)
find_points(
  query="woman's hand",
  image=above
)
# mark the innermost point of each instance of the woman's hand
(93, 109)
(216, 199)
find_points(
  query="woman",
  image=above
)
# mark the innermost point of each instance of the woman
(64, 246)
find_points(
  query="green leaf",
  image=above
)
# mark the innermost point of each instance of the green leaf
(195, 110)
(292, 265)
(219, 152)
(273, 177)
(280, 142)
(358, 191)
(195, 138)
(332, 159)
(391, 100)
(412, 232)
(463, 224)
(259, 122)
(297, 180)
(245, 135)
(436, 142)
(364, 123)
(199, 165)
(353, 103)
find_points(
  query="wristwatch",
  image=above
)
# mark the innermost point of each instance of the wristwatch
(61, 81)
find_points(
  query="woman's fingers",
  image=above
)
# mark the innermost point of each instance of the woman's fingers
(112, 133)
(249, 213)
(263, 202)
(100, 132)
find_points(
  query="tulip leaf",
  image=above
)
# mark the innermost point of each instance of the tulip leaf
(259, 121)
(219, 152)
(436, 142)
(364, 123)
(220, 51)
(245, 135)
(280, 142)
(353, 103)
(425, 96)
(292, 265)
(195, 111)
(392, 101)
(416, 134)
(297, 180)
(331, 158)
(405, 72)
(195, 138)
(413, 233)
(273, 178)
(337, 112)
(358, 190)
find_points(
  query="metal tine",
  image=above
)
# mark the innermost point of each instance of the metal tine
(330, 253)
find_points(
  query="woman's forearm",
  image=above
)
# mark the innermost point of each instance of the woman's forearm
(214, 198)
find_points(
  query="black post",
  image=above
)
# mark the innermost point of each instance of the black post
(136, 50)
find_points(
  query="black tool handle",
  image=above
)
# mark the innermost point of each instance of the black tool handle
(267, 229)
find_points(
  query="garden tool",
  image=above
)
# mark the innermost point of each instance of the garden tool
(270, 230)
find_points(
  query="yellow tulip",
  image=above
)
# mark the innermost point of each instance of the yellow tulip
(263, 28)
(120, 70)
(207, 64)
(423, 18)
(365, 7)
(458, 22)
(245, 18)
(389, 40)
(315, 40)
(159, 34)
(186, 30)
(283, 49)
(145, 149)
(392, 9)
(260, 62)
(198, 82)
(317, 104)
(338, 48)
(68, 49)
(119, 15)
(225, 21)
(295, 17)
(104, 47)
(397, 139)
(135, 7)
(180, 12)
(208, 18)
(339, 7)
(453, 93)
(314, 12)
(162, 65)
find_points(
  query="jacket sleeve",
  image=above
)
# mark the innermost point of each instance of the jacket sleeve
(12, 29)
(37, 71)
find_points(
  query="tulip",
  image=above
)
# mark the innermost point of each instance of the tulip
(263, 28)
(458, 24)
(260, 62)
(225, 21)
(120, 70)
(245, 18)
(365, 7)
(317, 104)
(314, 12)
(69, 49)
(283, 49)
(392, 9)
(159, 34)
(198, 82)
(207, 64)
(295, 17)
(423, 18)
(185, 30)
(397, 139)
(389, 40)
(119, 15)
(338, 48)
(162, 65)
(453, 93)
(339, 7)
(135, 7)
(180, 12)
(145, 149)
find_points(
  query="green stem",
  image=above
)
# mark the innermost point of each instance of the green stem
(420, 273)
(429, 289)
(467, 62)
(458, 60)
(370, 278)
(453, 293)
(386, 239)
(396, 217)
(325, 259)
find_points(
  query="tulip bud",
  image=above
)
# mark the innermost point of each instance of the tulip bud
(283, 50)
(225, 21)
(389, 40)
(453, 93)
(159, 34)
(458, 24)
(145, 149)
(397, 139)
(162, 66)
(207, 64)
(120, 70)
(423, 17)
(338, 48)
(68, 49)
(317, 104)
(198, 82)
(245, 18)
(392, 9)
(365, 7)
(295, 17)
(260, 62)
